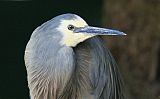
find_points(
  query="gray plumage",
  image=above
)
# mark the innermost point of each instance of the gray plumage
(56, 71)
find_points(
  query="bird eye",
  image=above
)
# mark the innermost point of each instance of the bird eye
(71, 27)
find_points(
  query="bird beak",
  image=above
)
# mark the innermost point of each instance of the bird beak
(98, 31)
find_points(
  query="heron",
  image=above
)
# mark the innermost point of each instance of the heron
(66, 58)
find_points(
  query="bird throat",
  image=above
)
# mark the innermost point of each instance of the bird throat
(49, 71)
(72, 39)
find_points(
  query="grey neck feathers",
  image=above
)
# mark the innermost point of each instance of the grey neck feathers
(87, 71)
(48, 67)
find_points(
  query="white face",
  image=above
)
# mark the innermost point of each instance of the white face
(69, 37)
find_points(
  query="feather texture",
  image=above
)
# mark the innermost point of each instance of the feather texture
(92, 73)
(96, 75)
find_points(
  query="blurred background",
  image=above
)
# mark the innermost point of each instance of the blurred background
(137, 54)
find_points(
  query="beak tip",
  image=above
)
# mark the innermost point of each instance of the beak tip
(120, 33)
(124, 33)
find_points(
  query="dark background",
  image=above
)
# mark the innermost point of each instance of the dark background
(137, 54)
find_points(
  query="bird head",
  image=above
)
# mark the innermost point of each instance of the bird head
(76, 30)
(70, 30)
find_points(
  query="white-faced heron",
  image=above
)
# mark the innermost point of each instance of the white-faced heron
(65, 59)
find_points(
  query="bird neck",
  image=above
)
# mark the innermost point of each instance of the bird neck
(48, 69)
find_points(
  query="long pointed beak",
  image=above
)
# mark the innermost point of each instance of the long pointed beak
(98, 31)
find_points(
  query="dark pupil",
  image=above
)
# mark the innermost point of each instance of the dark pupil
(70, 27)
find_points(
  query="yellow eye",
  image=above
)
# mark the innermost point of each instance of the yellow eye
(71, 27)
